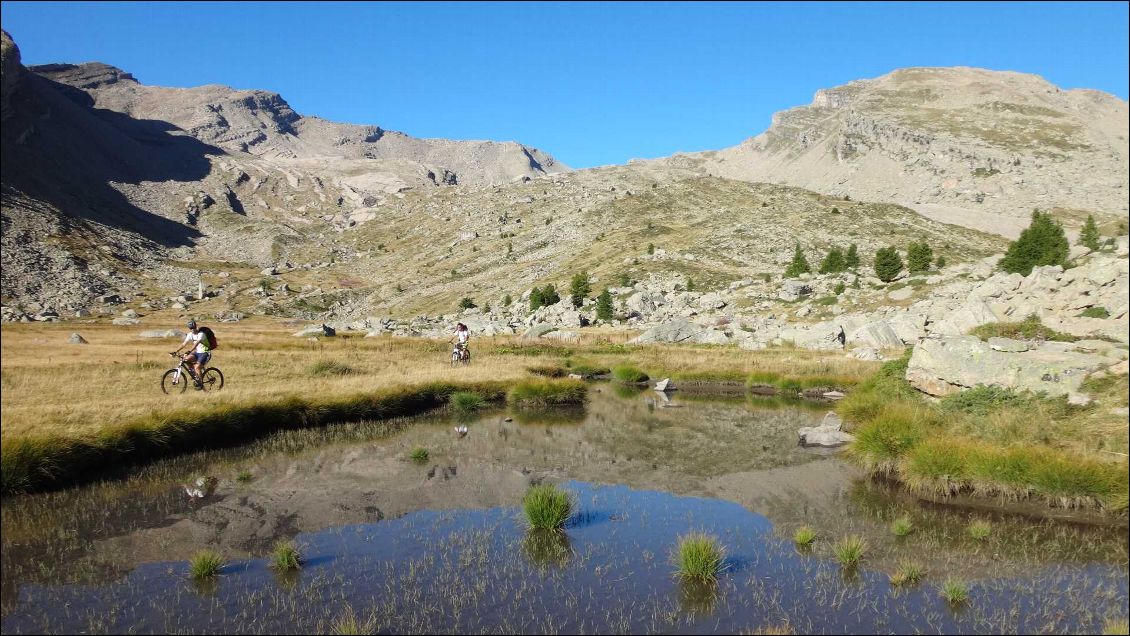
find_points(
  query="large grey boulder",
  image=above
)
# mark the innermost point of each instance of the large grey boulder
(942, 366)
(677, 330)
(974, 313)
(792, 290)
(162, 333)
(537, 331)
(878, 334)
(76, 339)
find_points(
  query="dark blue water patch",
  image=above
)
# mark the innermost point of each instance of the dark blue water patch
(471, 571)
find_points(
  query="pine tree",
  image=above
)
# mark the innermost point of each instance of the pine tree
(918, 256)
(549, 295)
(1089, 236)
(834, 262)
(1041, 243)
(941, 262)
(888, 264)
(690, 284)
(466, 303)
(579, 289)
(799, 264)
(604, 305)
(506, 300)
(851, 259)
(536, 299)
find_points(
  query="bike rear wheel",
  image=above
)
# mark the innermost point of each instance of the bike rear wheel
(213, 380)
(171, 383)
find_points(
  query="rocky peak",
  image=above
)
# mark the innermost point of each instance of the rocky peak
(85, 76)
(10, 72)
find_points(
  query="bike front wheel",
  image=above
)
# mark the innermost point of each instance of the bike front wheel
(173, 382)
(212, 380)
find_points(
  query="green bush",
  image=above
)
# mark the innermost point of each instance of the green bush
(629, 374)
(799, 264)
(604, 305)
(1041, 243)
(1089, 236)
(547, 507)
(839, 288)
(849, 550)
(507, 300)
(650, 248)
(918, 257)
(941, 262)
(1095, 312)
(851, 259)
(888, 264)
(833, 262)
(826, 300)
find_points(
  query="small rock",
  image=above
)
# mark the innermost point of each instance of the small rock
(1078, 399)
(76, 339)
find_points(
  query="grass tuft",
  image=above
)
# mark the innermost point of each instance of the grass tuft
(547, 507)
(699, 557)
(908, 572)
(286, 557)
(979, 529)
(849, 550)
(466, 401)
(955, 591)
(543, 393)
(902, 526)
(329, 368)
(804, 536)
(205, 564)
(548, 370)
(628, 374)
(1116, 627)
(418, 454)
(244, 476)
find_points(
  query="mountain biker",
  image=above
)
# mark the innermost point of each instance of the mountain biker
(462, 335)
(200, 354)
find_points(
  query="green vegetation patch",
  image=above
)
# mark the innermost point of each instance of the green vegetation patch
(546, 393)
(699, 557)
(628, 374)
(547, 507)
(329, 368)
(548, 370)
(1028, 329)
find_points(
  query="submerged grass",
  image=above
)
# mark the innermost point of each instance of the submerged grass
(955, 591)
(699, 557)
(547, 507)
(902, 526)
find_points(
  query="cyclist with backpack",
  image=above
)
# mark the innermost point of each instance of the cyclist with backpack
(201, 341)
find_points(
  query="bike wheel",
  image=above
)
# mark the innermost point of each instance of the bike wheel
(213, 379)
(169, 387)
(466, 357)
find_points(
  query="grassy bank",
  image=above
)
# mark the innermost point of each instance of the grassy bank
(993, 442)
(69, 409)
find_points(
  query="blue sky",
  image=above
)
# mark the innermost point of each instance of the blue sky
(590, 83)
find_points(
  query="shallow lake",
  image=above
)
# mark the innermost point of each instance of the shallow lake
(440, 546)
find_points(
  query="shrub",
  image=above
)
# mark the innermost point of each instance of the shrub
(536, 298)
(799, 264)
(604, 305)
(699, 557)
(579, 288)
(839, 288)
(1095, 312)
(625, 373)
(804, 536)
(888, 264)
(418, 454)
(286, 557)
(507, 300)
(833, 262)
(650, 248)
(690, 284)
(940, 263)
(547, 507)
(851, 259)
(918, 256)
(205, 564)
(1089, 236)
(849, 550)
(542, 393)
(1041, 243)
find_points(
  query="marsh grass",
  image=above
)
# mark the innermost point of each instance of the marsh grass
(205, 564)
(466, 401)
(418, 454)
(286, 556)
(244, 476)
(804, 536)
(547, 393)
(547, 507)
(979, 529)
(628, 374)
(908, 573)
(548, 370)
(348, 624)
(699, 557)
(1116, 627)
(849, 550)
(902, 526)
(588, 371)
(955, 591)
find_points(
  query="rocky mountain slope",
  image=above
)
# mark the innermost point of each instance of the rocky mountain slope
(969, 146)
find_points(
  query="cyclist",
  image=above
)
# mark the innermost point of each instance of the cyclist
(200, 354)
(462, 335)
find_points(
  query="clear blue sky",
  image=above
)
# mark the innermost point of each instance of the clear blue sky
(589, 83)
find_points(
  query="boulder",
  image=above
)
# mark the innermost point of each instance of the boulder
(828, 434)
(537, 331)
(664, 385)
(866, 353)
(878, 334)
(124, 321)
(1008, 345)
(711, 301)
(941, 366)
(162, 333)
(792, 290)
(901, 294)
(678, 330)
(76, 339)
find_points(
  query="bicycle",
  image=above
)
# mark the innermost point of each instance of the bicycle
(461, 353)
(174, 379)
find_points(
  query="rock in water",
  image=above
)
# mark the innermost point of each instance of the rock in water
(664, 385)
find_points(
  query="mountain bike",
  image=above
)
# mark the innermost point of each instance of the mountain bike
(461, 353)
(177, 379)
